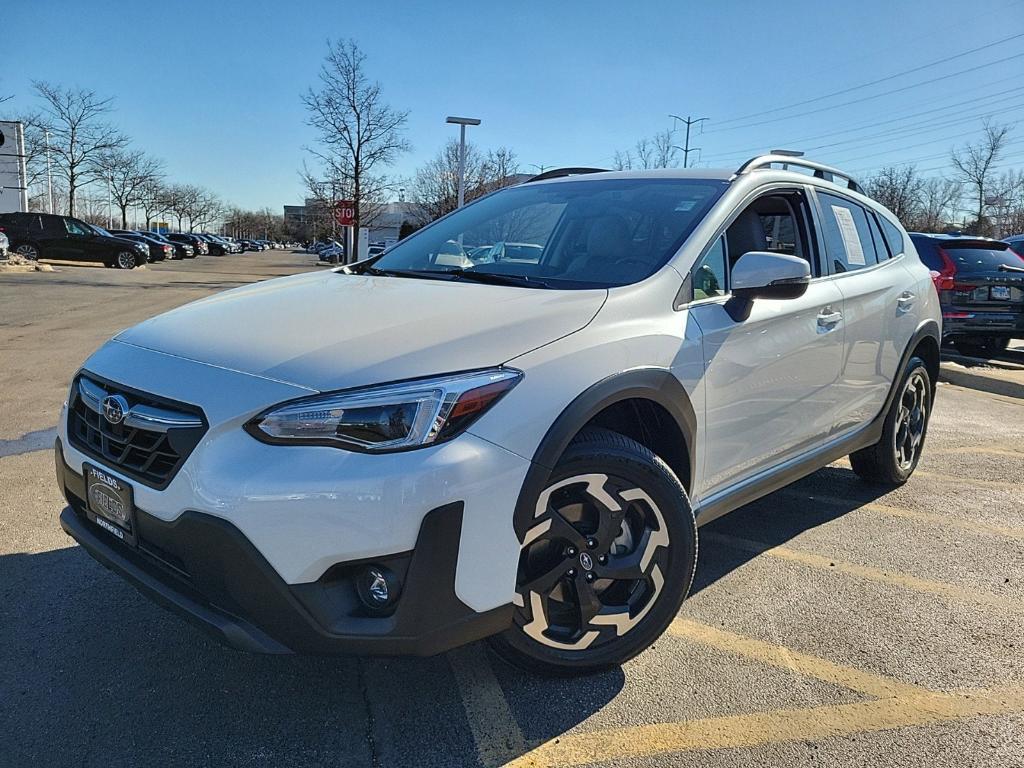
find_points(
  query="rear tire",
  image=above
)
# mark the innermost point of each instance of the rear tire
(984, 346)
(893, 459)
(28, 251)
(608, 559)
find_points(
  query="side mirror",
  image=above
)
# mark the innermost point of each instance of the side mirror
(766, 275)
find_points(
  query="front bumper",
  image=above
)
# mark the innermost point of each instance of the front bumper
(204, 568)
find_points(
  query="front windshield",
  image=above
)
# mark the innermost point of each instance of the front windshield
(101, 231)
(567, 234)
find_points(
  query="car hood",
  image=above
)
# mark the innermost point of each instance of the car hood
(329, 330)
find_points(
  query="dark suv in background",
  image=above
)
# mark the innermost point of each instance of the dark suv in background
(49, 236)
(199, 245)
(981, 290)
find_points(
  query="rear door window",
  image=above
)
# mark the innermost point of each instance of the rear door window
(848, 240)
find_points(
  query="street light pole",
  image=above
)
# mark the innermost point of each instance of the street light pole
(49, 178)
(109, 209)
(462, 122)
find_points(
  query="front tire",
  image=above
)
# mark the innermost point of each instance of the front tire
(607, 559)
(125, 260)
(893, 459)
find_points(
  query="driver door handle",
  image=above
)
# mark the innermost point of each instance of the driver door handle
(829, 318)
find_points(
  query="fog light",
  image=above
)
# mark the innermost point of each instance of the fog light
(378, 587)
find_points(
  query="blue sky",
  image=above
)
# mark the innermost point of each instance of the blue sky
(213, 87)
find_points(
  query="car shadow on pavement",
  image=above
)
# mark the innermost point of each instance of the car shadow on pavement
(824, 496)
(92, 673)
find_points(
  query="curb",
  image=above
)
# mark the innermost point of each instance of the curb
(992, 383)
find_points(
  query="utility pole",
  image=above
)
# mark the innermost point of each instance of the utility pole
(49, 178)
(688, 122)
(109, 209)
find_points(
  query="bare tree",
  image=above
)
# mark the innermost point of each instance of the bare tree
(898, 188)
(78, 133)
(154, 199)
(658, 151)
(128, 173)
(975, 163)
(359, 135)
(435, 188)
(180, 200)
(939, 200)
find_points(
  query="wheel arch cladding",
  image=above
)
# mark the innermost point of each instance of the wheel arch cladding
(648, 405)
(926, 346)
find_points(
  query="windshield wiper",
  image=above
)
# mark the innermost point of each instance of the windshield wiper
(1009, 268)
(491, 278)
(420, 274)
(496, 278)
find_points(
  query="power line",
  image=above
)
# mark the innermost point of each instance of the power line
(869, 98)
(922, 127)
(873, 124)
(937, 62)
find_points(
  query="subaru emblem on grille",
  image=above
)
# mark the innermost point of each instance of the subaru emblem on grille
(115, 408)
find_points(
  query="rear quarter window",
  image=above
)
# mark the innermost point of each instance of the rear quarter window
(927, 252)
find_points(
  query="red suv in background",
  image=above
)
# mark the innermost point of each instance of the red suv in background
(981, 290)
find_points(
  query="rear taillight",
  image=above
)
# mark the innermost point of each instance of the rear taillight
(947, 275)
(168, 249)
(958, 315)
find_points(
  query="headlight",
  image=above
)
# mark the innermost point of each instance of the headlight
(392, 417)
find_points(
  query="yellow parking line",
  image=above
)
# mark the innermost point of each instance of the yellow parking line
(942, 589)
(494, 727)
(799, 663)
(912, 514)
(974, 481)
(753, 730)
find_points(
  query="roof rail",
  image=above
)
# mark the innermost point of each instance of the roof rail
(826, 172)
(557, 173)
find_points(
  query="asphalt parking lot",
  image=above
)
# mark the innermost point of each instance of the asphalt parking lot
(830, 624)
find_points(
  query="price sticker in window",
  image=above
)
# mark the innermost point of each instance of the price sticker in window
(851, 239)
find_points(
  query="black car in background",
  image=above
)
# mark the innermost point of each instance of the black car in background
(217, 248)
(50, 236)
(181, 250)
(980, 283)
(199, 246)
(158, 251)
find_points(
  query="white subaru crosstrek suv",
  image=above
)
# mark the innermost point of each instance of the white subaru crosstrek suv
(402, 456)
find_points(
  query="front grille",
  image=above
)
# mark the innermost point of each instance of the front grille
(149, 444)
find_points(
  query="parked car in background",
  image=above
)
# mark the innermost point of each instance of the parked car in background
(521, 450)
(200, 246)
(181, 250)
(331, 250)
(217, 248)
(980, 283)
(158, 251)
(5, 246)
(50, 236)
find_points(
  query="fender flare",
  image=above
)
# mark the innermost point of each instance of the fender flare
(658, 385)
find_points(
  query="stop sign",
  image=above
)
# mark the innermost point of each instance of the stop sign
(345, 213)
